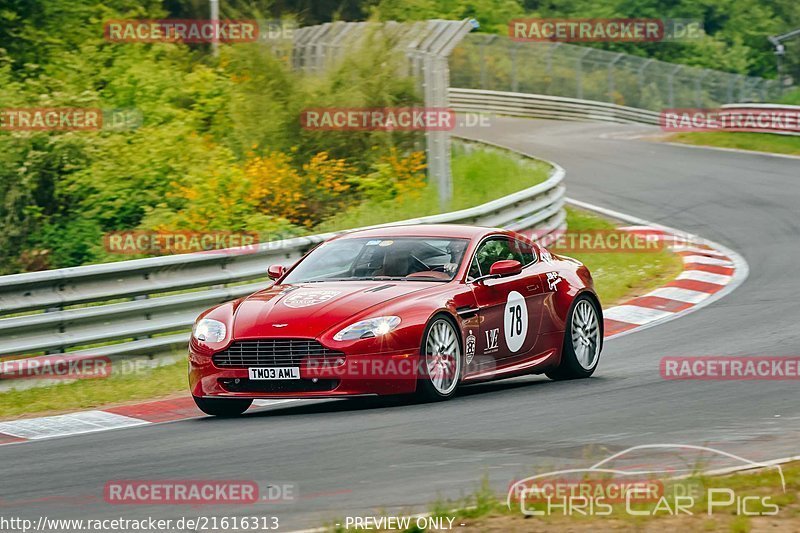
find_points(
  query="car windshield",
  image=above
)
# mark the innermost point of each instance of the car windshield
(388, 258)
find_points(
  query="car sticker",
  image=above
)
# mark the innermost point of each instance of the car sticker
(492, 336)
(373, 243)
(553, 279)
(307, 298)
(547, 257)
(470, 344)
(515, 321)
(386, 243)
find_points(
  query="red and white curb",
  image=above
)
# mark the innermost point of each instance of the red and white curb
(710, 271)
(123, 416)
(706, 271)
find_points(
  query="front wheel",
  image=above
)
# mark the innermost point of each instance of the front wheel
(582, 342)
(222, 407)
(440, 360)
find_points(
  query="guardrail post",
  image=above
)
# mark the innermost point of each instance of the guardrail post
(55, 310)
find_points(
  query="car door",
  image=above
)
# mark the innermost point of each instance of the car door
(508, 307)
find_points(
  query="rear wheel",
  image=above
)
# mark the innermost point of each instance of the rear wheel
(223, 407)
(582, 342)
(440, 363)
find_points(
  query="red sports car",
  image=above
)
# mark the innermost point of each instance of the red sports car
(399, 310)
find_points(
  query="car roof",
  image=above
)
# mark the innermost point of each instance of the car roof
(425, 230)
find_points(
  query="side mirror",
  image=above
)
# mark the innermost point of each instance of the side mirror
(275, 271)
(507, 267)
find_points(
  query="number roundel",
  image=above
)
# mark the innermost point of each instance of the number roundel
(515, 321)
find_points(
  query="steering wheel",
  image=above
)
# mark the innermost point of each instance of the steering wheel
(420, 262)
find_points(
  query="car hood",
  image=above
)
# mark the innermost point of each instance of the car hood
(310, 309)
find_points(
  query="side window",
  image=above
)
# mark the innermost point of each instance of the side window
(474, 269)
(525, 252)
(492, 251)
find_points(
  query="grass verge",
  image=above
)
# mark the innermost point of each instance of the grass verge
(618, 276)
(759, 142)
(142, 385)
(471, 168)
(486, 511)
(621, 276)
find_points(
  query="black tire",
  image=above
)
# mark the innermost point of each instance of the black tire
(571, 366)
(427, 390)
(222, 407)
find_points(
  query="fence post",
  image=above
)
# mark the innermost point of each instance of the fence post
(579, 72)
(611, 76)
(514, 79)
(670, 84)
(698, 87)
(640, 77)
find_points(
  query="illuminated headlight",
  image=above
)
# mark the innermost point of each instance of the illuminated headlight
(209, 330)
(365, 329)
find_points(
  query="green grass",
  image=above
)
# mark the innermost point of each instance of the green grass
(791, 98)
(90, 393)
(621, 276)
(479, 175)
(617, 276)
(759, 142)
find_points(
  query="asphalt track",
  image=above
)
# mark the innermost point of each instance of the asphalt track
(353, 457)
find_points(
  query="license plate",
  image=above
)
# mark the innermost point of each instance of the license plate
(280, 372)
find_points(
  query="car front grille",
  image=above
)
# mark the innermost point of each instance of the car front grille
(287, 386)
(272, 353)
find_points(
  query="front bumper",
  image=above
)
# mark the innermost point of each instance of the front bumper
(358, 375)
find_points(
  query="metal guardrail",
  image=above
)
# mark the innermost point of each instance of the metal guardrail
(149, 321)
(545, 106)
(561, 108)
(783, 108)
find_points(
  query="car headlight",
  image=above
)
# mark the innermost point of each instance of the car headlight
(209, 330)
(371, 327)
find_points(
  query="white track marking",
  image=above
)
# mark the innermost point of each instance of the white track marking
(703, 260)
(70, 424)
(707, 277)
(634, 314)
(645, 229)
(696, 250)
(682, 295)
